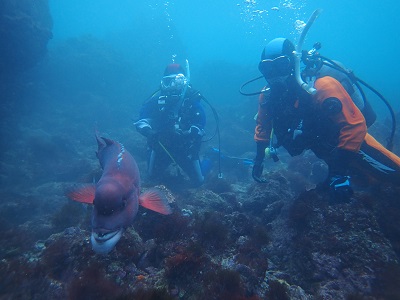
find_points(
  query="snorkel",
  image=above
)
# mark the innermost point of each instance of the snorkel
(187, 71)
(298, 54)
(187, 82)
(297, 59)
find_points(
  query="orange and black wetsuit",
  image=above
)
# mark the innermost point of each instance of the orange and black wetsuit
(329, 124)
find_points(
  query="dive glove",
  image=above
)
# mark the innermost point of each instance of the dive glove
(152, 136)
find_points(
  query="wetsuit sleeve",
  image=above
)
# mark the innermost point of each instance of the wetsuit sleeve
(342, 111)
(144, 124)
(197, 119)
(200, 119)
(263, 122)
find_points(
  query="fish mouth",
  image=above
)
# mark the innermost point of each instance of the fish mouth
(103, 241)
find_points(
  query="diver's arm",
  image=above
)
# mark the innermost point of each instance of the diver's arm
(263, 122)
(336, 104)
(261, 136)
(144, 125)
(200, 115)
(197, 123)
(145, 129)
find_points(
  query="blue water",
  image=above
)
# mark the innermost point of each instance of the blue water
(361, 35)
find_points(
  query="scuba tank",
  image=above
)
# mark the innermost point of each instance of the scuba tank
(317, 63)
(316, 67)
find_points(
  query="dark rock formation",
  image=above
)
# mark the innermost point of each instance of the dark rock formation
(25, 29)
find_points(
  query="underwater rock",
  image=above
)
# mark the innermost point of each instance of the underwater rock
(204, 199)
(25, 29)
(337, 249)
(278, 288)
(261, 196)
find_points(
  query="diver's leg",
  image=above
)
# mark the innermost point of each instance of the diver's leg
(378, 162)
(197, 178)
(151, 164)
(192, 168)
(156, 165)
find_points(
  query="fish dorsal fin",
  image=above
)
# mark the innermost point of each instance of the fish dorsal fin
(108, 141)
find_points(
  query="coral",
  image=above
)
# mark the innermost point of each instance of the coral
(22, 274)
(241, 224)
(276, 189)
(185, 265)
(249, 249)
(226, 284)
(14, 241)
(301, 210)
(211, 229)
(250, 255)
(163, 228)
(56, 259)
(218, 185)
(388, 212)
(147, 294)
(93, 284)
(131, 245)
(387, 283)
(203, 199)
(232, 200)
(277, 291)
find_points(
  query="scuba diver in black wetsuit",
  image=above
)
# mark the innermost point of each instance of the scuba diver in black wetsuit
(173, 121)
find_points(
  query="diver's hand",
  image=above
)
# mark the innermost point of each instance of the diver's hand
(193, 132)
(258, 168)
(340, 188)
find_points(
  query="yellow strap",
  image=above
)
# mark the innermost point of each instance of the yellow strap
(166, 151)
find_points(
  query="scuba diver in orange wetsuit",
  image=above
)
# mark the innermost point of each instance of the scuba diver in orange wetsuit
(326, 122)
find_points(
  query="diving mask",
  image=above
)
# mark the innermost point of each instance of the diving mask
(278, 67)
(174, 83)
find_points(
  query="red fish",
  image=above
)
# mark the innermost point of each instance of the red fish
(116, 196)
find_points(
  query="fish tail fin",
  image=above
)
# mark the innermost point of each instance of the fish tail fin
(155, 200)
(84, 194)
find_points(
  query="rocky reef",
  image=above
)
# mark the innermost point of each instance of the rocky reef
(25, 29)
(239, 241)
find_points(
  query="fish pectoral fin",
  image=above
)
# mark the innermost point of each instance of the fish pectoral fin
(155, 200)
(83, 194)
